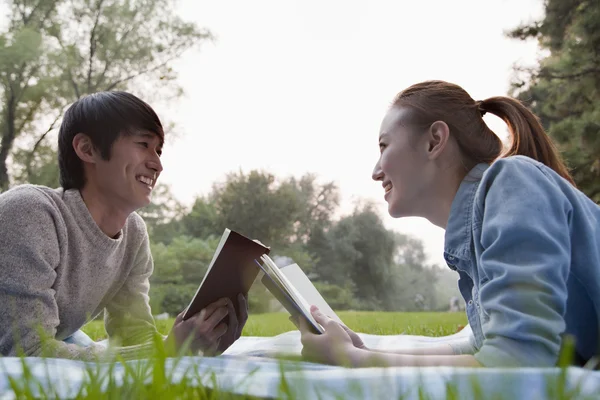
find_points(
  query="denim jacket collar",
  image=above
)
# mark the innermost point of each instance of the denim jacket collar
(459, 231)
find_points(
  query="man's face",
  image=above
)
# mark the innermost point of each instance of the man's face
(129, 176)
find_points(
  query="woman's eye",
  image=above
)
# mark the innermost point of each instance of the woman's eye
(381, 146)
(145, 144)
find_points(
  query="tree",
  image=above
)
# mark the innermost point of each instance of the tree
(56, 51)
(38, 168)
(280, 213)
(564, 89)
(25, 72)
(178, 270)
(383, 270)
(163, 215)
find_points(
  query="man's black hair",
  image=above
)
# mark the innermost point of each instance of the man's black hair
(103, 117)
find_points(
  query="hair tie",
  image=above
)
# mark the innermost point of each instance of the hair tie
(479, 105)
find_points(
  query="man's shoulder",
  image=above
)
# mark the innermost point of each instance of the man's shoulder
(136, 225)
(29, 198)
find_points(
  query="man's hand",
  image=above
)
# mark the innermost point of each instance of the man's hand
(203, 331)
(236, 323)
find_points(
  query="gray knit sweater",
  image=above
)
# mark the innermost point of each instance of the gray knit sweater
(58, 270)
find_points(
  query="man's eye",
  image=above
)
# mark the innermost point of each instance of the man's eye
(145, 144)
(382, 146)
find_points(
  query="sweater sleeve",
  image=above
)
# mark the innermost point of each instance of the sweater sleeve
(128, 317)
(30, 253)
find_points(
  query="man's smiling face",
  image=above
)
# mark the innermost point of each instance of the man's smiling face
(130, 174)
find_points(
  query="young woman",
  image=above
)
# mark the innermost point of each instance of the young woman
(524, 241)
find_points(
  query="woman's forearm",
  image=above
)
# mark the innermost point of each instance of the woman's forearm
(368, 358)
(436, 350)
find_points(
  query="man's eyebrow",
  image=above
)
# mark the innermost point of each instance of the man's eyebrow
(145, 135)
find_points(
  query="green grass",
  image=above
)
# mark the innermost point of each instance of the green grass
(152, 380)
(377, 323)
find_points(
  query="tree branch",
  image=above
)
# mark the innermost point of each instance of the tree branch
(72, 80)
(93, 45)
(40, 140)
(30, 113)
(550, 75)
(142, 72)
(116, 52)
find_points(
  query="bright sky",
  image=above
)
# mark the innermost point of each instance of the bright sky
(301, 86)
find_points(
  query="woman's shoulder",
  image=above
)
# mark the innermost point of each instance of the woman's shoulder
(521, 172)
(517, 165)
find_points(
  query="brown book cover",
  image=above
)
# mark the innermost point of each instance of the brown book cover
(232, 270)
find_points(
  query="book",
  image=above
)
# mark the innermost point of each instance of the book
(294, 290)
(238, 262)
(231, 271)
(307, 289)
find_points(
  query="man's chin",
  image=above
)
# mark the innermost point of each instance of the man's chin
(143, 202)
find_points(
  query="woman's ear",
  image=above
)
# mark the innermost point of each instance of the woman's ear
(83, 146)
(437, 139)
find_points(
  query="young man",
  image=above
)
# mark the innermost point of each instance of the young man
(70, 253)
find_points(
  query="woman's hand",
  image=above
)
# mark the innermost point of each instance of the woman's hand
(335, 346)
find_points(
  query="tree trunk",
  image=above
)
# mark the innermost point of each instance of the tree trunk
(8, 137)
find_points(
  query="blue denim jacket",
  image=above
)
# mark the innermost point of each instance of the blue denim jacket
(526, 246)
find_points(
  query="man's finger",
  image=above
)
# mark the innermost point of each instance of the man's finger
(199, 317)
(179, 317)
(233, 319)
(215, 318)
(243, 310)
(213, 306)
(220, 330)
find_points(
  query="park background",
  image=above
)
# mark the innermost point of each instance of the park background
(273, 109)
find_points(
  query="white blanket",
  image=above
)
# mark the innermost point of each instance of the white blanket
(240, 371)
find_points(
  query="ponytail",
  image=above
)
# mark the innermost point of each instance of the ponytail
(433, 101)
(528, 136)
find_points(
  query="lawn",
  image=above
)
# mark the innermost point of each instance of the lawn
(378, 323)
(151, 380)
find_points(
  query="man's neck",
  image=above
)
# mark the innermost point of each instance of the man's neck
(107, 215)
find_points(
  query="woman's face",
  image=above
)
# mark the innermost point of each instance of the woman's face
(403, 165)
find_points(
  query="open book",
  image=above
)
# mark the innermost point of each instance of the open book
(295, 291)
(238, 262)
(231, 271)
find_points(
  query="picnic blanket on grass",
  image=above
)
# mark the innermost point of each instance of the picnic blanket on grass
(241, 371)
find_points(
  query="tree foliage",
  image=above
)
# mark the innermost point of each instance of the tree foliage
(564, 89)
(56, 51)
(354, 261)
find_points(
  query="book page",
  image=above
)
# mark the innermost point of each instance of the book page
(308, 290)
(287, 287)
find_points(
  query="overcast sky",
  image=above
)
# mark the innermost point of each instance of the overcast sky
(301, 86)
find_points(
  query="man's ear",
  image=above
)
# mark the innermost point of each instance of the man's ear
(438, 136)
(84, 148)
